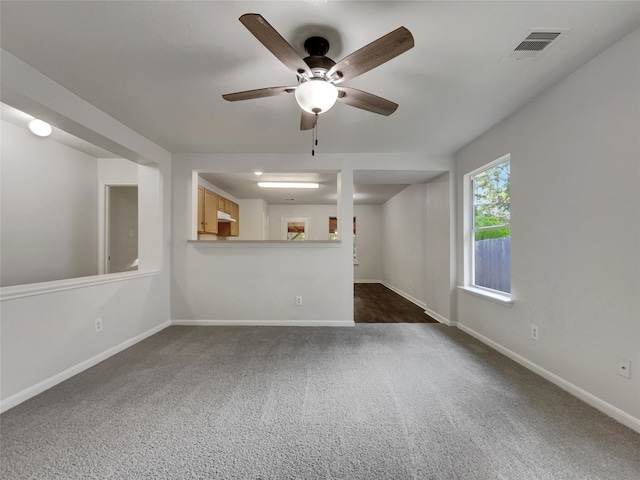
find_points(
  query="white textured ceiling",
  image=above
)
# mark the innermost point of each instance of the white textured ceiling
(161, 67)
(245, 185)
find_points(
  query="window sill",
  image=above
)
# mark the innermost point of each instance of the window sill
(29, 290)
(502, 299)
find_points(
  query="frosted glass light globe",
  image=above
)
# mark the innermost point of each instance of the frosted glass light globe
(316, 96)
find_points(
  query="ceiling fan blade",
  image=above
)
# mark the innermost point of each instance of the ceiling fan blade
(366, 101)
(373, 55)
(270, 38)
(308, 120)
(259, 93)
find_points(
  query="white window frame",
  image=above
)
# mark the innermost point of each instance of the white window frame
(469, 236)
(285, 226)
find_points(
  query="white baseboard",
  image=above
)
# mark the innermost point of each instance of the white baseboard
(265, 323)
(367, 281)
(439, 318)
(406, 295)
(46, 384)
(596, 402)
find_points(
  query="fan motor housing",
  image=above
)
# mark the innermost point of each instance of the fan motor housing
(317, 48)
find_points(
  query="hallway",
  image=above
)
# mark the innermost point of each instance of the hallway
(375, 303)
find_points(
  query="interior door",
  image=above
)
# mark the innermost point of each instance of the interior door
(122, 229)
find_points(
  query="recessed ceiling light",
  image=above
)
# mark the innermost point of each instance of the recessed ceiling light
(288, 185)
(257, 173)
(40, 128)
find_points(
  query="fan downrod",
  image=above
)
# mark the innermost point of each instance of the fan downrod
(316, 46)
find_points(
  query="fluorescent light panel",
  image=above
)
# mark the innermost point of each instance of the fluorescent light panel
(288, 185)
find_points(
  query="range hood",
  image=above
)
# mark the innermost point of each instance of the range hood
(225, 217)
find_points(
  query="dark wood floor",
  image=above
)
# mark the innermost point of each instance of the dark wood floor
(375, 303)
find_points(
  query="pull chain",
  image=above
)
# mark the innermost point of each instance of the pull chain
(314, 137)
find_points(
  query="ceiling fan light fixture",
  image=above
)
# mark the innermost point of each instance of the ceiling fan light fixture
(316, 95)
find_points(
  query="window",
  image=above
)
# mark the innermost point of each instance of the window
(295, 228)
(295, 231)
(333, 233)
(490, 231)
(333, 228)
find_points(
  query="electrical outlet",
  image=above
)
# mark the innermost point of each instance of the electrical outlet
(98, 324)
(299, 300)
(624, 367)
(534, 331)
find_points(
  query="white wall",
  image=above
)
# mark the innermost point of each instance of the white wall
(318, 215)
(49, 204)
(47, 329)
(369, 229)
(235, 282)
(404, 242)
(252, 219)
(117, 171)
(575, 176)
(439, 249)
(417, 246)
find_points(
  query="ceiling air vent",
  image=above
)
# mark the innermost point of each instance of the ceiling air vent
(534, 43)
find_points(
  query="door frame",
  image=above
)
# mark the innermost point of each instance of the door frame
(104, 253)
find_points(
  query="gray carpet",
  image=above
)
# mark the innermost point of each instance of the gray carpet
(378, 401)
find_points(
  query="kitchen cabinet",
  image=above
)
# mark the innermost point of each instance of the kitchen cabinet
(224, 204)
(209, 204)
(235, 213)
(207, 211)
(200, 209)
(230, 229)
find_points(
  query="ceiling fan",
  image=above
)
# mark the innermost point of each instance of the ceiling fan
(320, 78)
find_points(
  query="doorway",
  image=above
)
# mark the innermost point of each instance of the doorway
(376, 303)
(121, 246)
